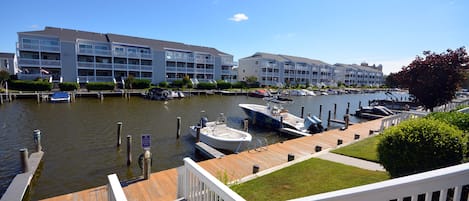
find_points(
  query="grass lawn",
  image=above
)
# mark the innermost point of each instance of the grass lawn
(365, 149)
(310, 177)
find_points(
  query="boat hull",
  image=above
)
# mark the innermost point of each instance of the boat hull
(209, 136)
(265, 120)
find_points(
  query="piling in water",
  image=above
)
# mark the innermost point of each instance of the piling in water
(178, 127)
(198, 134)
(24, 160)
(119, 132)
(129, 150)
(329, 119)
(302, 111)
(37, 139)
(335, 110)
(246, 125)
(320, 111)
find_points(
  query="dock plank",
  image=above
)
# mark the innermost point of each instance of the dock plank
(163, 185)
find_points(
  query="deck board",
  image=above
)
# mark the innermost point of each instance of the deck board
(163, 185)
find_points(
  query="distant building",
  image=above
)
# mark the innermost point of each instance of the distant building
(8, 62)
(72, 55)
(278, 70)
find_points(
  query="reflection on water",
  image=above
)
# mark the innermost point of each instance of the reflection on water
(79, 139)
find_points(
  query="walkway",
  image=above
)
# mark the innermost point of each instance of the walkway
(163, 185)
(351, 161)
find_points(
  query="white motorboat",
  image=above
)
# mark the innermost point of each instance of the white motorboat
(218, 135)
(60, 96)
(274, 115)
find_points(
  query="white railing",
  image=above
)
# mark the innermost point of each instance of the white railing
(50, 62)
(147, 68)
(428, 185)
(451, 106)
(104, 65)
(23, 61)
(85, 64)
(398, 118)
(195, 183)
(114, 189)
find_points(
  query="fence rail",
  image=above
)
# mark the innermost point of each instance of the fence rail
(442, 184)
(195, 183)
(398, 118)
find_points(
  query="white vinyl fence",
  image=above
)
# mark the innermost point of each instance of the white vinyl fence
(114, 189)
(195, 183)
(442, 184)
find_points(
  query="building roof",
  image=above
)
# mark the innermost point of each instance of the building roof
(359, 67)
(7, 55)
(73, 35)
(285, 58)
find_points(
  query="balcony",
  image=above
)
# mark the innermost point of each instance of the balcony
(85, 64)
(148, 56)
(173, 69)
(120, 66)
(147, 68)
(25, 46)
(32, 62)
(120, 54)
(53, 63)
(134, 67)
(225, 72)
(102, 52)
(85, 51)
(104, 79)
(104, 65)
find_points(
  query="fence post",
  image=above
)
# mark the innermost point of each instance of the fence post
(24, 160)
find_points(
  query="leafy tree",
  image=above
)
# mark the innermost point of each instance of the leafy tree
(186, 80)
(420, 145)
(434, 80)
(392, 80)
(4, 77)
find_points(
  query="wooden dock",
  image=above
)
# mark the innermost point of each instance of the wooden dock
(208, 150)
(163, 185)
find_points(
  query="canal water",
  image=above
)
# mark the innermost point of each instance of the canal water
(79, 139)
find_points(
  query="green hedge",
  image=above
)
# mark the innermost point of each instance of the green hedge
(239, 85)
(68, 86)
(163, 84)
(206, 85)
(141, 84)
(177, 84)
(458, 119)
(223, 85)
(27, 85)
(420, 145)
(100, 86)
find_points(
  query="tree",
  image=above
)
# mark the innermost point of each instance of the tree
(4, 77)
(392, 80)
(434, 80)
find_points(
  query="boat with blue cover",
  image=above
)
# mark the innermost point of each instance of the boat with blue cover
(60, 96)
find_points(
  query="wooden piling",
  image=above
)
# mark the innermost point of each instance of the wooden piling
(38, 98)
(37, 139)
(246, 125)
(178, 127)
(281, 121)
(348, 105)
(347, 120)
(320, 111)
(198, 134)
(1, 99)
(302, 111)
(347, 111)
(24, 160)
(146, 164)
(359, 104)
(119, 133)
(329, 119)
(101, 96)
(129, 150)
(335, 110)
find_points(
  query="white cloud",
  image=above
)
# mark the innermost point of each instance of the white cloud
(34, 26)
(238, 17)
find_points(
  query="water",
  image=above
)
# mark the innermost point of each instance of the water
(79, 139)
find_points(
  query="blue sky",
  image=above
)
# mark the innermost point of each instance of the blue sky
(391, 33)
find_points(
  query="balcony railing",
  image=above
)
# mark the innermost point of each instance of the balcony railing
(103, 52)
(147, 68)
(413, 187)
(35, 62)
(133, 67)
(85, 64)
(104, 65)
(148, 56)
(195, 183)
(171, 69)
(120, 66)
(51, 63)
(104, 79)
(85, 51)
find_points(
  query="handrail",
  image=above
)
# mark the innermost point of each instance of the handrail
(413, 186)
(115, 191)
(197, 184)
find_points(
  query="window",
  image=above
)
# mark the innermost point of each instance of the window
(146, 62)
(85, 46)
(119, 49)
(101, 47)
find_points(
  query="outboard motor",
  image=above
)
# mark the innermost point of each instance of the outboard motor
(203, 121)
(313, 124)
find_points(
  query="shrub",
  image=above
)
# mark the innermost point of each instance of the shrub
(177, 84)
(141, 84)
(458, 119)
(223, 85)
(163, 84)
(239, 85)
(100, 86)
(68, 86)
(206, 85)
(27, 85)
(420, 145)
